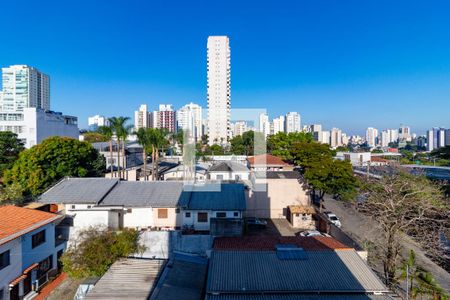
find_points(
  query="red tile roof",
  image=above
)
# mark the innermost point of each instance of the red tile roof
(16, 221)
(268, 159)
(267, 243)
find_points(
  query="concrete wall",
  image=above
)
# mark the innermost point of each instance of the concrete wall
(173, 218)
(14, 269)
(272, 202)
(228, 175)
(193, 219)
(86, 218)
(161, 243)
(139, 217)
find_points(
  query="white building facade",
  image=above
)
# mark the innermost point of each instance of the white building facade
(264, 124)
(24, 86)
(371, 136)
(141, 117)
(293, 122)
(219, 89)
(189, 118)
(278, 125)
(97, 121)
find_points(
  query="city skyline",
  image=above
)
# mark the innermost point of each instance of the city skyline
(337, 77)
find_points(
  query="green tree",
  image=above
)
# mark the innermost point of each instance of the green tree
(97, 249)
(41, 166)
(144, 137)
(158, 139)
(402, 203)
(95, 137)
(10, 147)
(11, 194)
(280, 144)
(245, 144)
(108, 133)
(121, 129)
(420, 282)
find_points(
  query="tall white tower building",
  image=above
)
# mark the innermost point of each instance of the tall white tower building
(141, 117)
(264, 124)
(23, 87)
(293, 123)
(371, 136)
(219, 89)
(189, 117)
(278, 125)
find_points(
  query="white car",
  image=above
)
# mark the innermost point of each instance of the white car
(333, 219)
(313, 233)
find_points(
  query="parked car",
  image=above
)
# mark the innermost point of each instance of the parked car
(256, 222)
(313, 233)
(333, 219)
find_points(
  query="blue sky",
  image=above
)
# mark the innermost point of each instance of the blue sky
(346, 64)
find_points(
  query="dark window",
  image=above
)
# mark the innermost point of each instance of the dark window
(2, 293)
(236, 214)
(162, 213)
(38, 239)
(187, 215)
(177, 210)
(202, 217)
(221, 214)
(73, 206)
(4, 259)
(89, 206)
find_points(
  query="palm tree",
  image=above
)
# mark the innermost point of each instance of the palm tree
(144, 136)
(121, 130)
(420, 282)
(107, 131)
(158, 140)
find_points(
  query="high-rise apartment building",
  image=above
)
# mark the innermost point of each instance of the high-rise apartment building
(141, 117)
(239, 128)
(404, 133)
(447, 137)
(388, 136)
(326, 137)
(97, 121)
(430, 140)
(166, 117)
(278, 125)
(264, 124)
(371, 136)
(25, 107)
(219, 89)
(24, 86)
(335, 138)
(441, 138)
(189, 118)
(316, 130)
(293, 122)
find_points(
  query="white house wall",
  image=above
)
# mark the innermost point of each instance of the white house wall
(139, 217)
(193, 219)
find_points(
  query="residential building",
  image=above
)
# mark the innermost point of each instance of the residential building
(278, 125)
(264, 124)
(335, 138)
(447, 137)
(388, 136)
(272, 192)
(133, 154)
(97, 121)
(239, 128)
(219, 89)
(430, 140)
(146, 204)
(289, 268)
(25, 107)
(355, 158)
(141, 117)
(404, 133)
(228, 170)
(24, 86)
(326, 137)
(267, 162)
(33, 125)
(30, 247)
(293, 122)
(316, 130)
(372, 137)
(189, 119)
(166, 117)
(441, 138)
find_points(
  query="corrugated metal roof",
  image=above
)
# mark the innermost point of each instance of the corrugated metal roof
(78, 190)
(324, 271)
(129, 278)
(227, 196)
(295, 297)
(144, 194)
(228, 166)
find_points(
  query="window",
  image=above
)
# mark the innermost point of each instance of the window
(236, 214)
(37, 239)
(221, 214)
(187, 215)
(219, 177)
(177, 210)
(89, 206)
(72, 206)
(202, 217)
(4, 259)
(162, 213)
